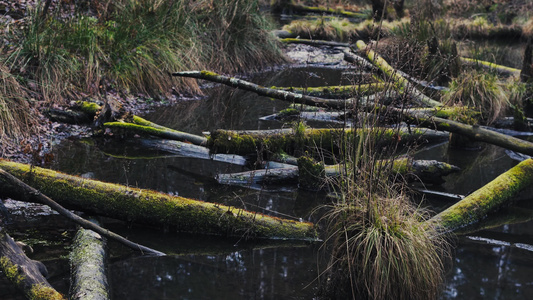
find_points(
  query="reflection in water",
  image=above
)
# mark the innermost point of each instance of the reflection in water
(279, 273)
(222, 269)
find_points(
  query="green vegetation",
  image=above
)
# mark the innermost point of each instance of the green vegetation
(130, 46)
(480, 91)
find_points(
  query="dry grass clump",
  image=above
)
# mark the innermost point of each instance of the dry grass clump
(481, 91)
(16, 119)
(382, 249)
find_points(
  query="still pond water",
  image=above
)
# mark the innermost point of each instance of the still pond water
(495, 263)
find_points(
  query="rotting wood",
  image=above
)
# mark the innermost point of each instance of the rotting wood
(24, 273)
(155, 208)
(402, 84)
(486, 199)
(15, 188)
(88, 266)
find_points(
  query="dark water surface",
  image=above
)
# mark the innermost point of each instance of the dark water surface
(495, 262)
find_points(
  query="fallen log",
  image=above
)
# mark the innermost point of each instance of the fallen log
(427, 171)
(337, 91)
(88, 267)
(13, 187)
(264, 142)
(157, 209)
(472, 131)
(402, 84)
(143, 126)
(507, 71)
(486, 199)
(262, 91)
(190, 150)
(24, 273)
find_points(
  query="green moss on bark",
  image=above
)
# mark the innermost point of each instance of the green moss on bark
(154, 208)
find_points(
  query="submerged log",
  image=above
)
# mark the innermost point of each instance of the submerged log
(403, 85)
(486, 199)
(507, 71)
(428, 171)
(24, 273)
(88, 266)
(262, 91)
(154, 208)
(291, 141)
(14, 188)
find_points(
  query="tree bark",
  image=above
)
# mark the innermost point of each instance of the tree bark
(486, 199)
(154, 208)
(472, 131)
(507, 71)
(337, 91)
(262, 91)
(266, 142)
(23, 272)
(88, 266)
(14, 188)
(141, 126)
(428, 171)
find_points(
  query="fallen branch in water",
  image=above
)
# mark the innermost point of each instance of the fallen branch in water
(14, 188)
(158, 209)
(486, 199)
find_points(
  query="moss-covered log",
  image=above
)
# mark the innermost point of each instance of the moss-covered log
(23, 272)
(262, 91)
(402, 84)
(486, 199)
(428, 171)
(154, 208)
(337, 91)
(88, 266)
(266, 142)
(143, 127)
(12, 187)
(507, 71)
(472, 131)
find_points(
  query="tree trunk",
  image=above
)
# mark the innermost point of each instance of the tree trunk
(428, 171)
(23, 272)
(154, 208)
(262, 91)
(526, 75)
(143, 127)
(88, 266)
(472, 131)
(266, 142)
(486, 199)
(403, 85)
(13, 187)
(337, 91)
